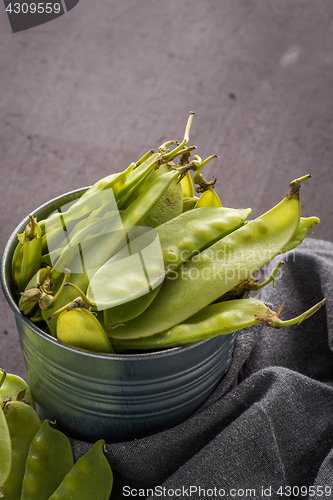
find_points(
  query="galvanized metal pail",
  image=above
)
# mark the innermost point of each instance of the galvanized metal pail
(114, 397)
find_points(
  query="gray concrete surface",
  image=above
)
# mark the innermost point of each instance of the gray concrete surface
(91, 91)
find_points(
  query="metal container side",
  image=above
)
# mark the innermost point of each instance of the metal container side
(114, 397)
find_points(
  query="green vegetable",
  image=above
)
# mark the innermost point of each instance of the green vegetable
(219, 268)
(126, 285)
(23, 424)
(209, 198)
(90, 478)
(13, 387)
(27, 255)
(78, 327)
(304, 226)
(5, 446)
(170, 204)
(216, 319)
(49, 460)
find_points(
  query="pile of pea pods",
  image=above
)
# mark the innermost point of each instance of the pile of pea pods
(148, 258)
(36, 459)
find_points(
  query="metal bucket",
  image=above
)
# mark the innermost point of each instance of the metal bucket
(114, 397)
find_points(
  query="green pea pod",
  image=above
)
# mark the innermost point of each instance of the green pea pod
(95, 256)
(216, 319)
(66, 296)
(90, 478)
(41, 293)
(189, 203)
(80, 328)
(170, 204)
(219, 268)
(124, 288)
(209, 198)
(304, 226)
(49, 460)
(5, 447)
(87, 202)
(137, 180)
(23, 424)
(14, 387)
(187, 185)
(27, 255)
(136, 212)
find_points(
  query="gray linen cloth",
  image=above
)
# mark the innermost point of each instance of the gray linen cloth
(267, 430)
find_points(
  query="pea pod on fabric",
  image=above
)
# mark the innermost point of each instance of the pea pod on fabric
(23, 424)
(27, 255)
(90, 478)
(13, 387)
(305, 224)
(216, 319)
(219, 268)
(127, 283)
(5, 447)
(49, 460)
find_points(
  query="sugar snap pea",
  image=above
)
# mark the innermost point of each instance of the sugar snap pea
(216, 319)
(189, 203)
(23, 423)
(13, 387)
(87, 202)
(90, 478)
(49, 460)
(187, 185)
(5, 445)
(122, 185)
(219, 268)
(163, 250)
(96, 255)
(304, 226)
(170, 205)
(209, 198)
(68, 295)
(78, 327)
(27, 255)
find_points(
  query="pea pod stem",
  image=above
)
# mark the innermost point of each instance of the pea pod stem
(294, 186)
(81, 302)
(144, 157)
(271, 319)
(85, 301)
(169, 156)
(203, 185)
(217, 319)
(251, 283)
(163, 147)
